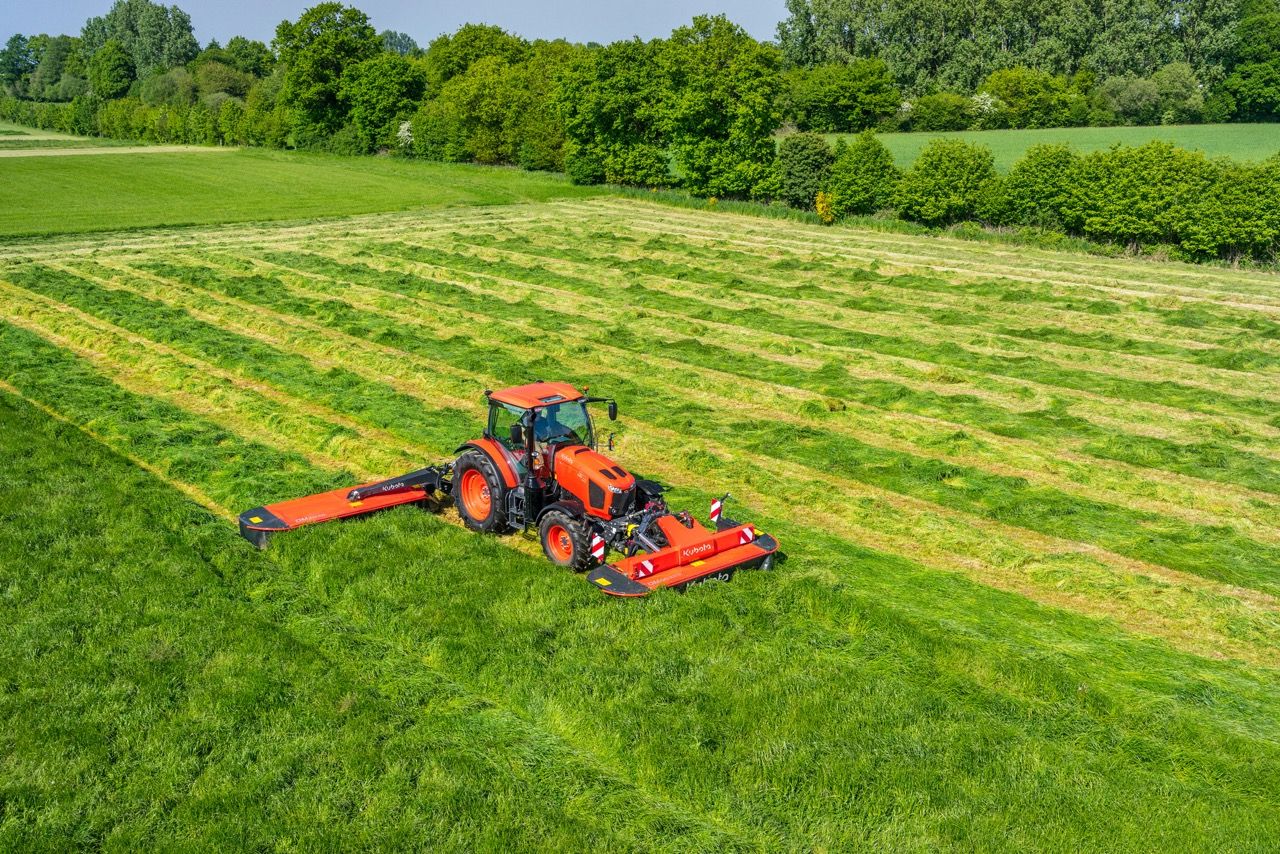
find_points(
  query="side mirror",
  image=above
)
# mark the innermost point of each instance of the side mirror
(517, 435)
(613, 410)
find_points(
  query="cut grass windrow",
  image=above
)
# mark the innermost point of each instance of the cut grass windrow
(1038, 369)
(1185, 621)
(1217, 553)
(1208, 460)
(880, 426)
(851, 309)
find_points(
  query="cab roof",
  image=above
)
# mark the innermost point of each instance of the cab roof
(536, 394)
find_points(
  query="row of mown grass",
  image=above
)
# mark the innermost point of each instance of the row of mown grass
(1195, 622)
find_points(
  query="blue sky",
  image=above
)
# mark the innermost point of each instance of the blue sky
(578, 20)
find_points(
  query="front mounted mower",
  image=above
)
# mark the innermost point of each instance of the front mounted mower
(537, 466)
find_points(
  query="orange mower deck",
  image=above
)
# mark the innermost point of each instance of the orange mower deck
(695, 554)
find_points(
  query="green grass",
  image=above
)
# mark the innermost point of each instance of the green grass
(165, 685)
(1250, 142)
(45, 195)
(1029, 502)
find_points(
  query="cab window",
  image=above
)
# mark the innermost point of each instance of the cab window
(563, 421)
(501, 417)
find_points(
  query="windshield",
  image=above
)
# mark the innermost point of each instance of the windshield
(564, 421)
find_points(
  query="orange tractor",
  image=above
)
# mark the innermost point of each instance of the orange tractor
(537, 466)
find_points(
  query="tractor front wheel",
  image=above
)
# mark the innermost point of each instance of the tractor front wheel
(480, 494)
(565, 541)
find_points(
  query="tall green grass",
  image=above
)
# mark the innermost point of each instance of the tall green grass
(462, 695)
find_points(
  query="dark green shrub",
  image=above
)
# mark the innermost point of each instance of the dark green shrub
(803, 167)
(1137, 195)
(1238, 217)
(1037, 189)
(944, 111)
(863, 177)
(947, 183)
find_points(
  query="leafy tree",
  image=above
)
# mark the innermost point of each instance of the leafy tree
(399, 43)
(59, 56)
(249, 56)
(17, 60)
(611, 100)
(450, 55)
(316, 50)
(155, 37)
(803, 168)
(381, 92)
(111, 71)
(175, 87)
(214, 77)
(931, 45)
(465, 121)
(1181, 98)
(863, 177)
(720, 111)
(1135, 100)
(841, 98)
(532, 125)
(1028, 98)
(948, 182)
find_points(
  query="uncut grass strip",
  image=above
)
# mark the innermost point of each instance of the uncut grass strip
(1208, 551)
(648, 707)
(747, 278)
(390, 443)
(1211, 460)
(912, 538)
(190, 491)
(873, 431)
(389, 702)
(931, 249)
(321, 442)
(947, 354)
(223, 466)
(710, 289)
(391, 417)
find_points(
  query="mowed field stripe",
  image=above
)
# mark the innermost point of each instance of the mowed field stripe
(950, 255)
(762, 391)
(1188, 632)
(1206, 551)
(1192, 498)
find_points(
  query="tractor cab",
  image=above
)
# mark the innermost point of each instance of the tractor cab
(547, 430)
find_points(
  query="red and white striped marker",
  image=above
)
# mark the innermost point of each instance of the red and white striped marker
(645, 569)
(746, 535)
(716, 505)
(597, 547)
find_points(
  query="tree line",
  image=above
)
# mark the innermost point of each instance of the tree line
(1044, 63)
(697, 110)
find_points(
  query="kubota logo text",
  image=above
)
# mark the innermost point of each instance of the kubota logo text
(696, 550)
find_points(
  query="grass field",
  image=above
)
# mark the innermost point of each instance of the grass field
(1029, 502)
(1239, 141)
(41, 196)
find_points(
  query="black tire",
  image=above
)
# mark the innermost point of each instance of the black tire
(469, 465)
(572, 542)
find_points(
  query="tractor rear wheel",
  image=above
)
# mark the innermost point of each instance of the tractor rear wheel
(565, 541)
(480, 494)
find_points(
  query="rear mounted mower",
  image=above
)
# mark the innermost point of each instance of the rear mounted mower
(536, 466)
